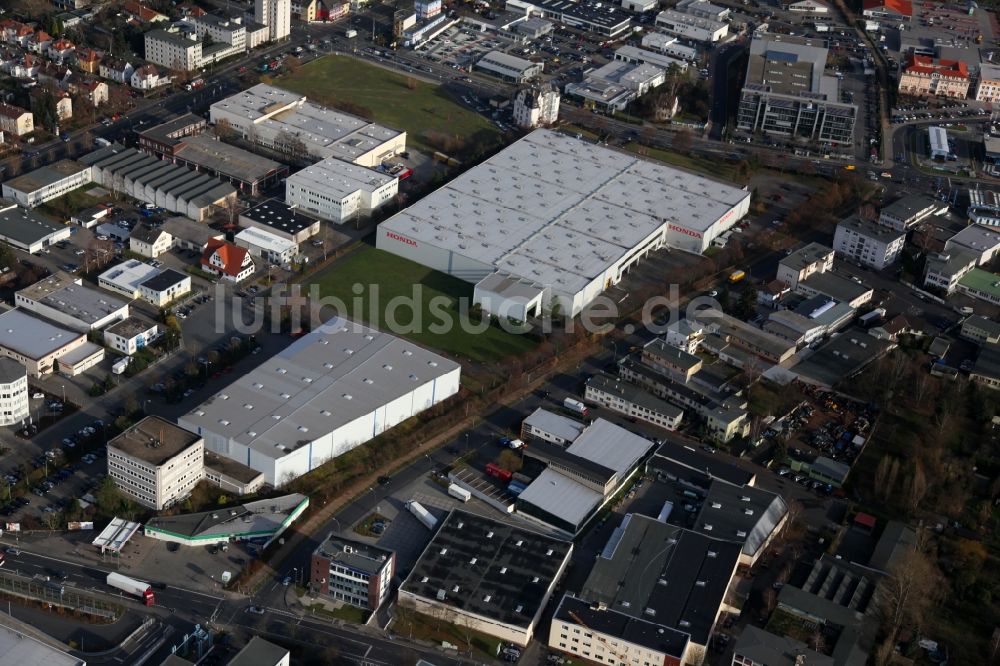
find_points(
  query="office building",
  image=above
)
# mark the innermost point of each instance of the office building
(981, 330)
(63, 299)
(944, 270)
(269, 247)
(40, 346)
(984, 242)
(551, 427)
(47, 183)
(669, 45)
(134, 279)
(691, 27)
(173, 49)
(928, 77)
(276, 15)
(745, 515)
(906, 212)
(268, 116)
(938, 144)
(703, 9)
(130, 335)
(339, 191)
(13, 392)
(27, 230)
(607, 635)
(788, 94)
(328, 392)
(742, 334)
(981, 284)
(260, 522)
(155, 462)
(487, 575)
(614, 85)
(356, 573)
(280, 219)
(988, 87)
(566, 217)
(587, 15)
(868, 243)
(509, 67)
(632, 401)
(803, 263)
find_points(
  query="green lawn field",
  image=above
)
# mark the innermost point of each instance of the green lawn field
(396, 100)
(389, 284)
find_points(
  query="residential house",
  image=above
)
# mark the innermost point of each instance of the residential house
(140, 13)
(868, 243)
(60, 50)
(16, 120)
(94, 91)
(25, 67)
(806, 261)
(63, 102)
(228, 261)
(88, 60)
(150, 241)
(53, 74)
(39, 42)
(117, 70)
(148, 77)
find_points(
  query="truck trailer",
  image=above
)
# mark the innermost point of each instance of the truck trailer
(459, 492)
(576, 406)
(132, 586)
(422, 514)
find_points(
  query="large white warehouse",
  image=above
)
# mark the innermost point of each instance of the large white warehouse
(328, 392)
(556, 218)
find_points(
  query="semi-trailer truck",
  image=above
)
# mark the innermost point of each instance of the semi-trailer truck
(132, 586)
(422, 514)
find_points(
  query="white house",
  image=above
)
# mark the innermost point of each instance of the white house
(228, 261)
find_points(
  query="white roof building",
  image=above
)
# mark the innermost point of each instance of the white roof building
(126, 277)
(268, 246)
(567, 215)
(326, 393)
(338, 191)
(264, 114)
(64, 299)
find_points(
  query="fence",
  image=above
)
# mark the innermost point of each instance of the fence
(57, 594)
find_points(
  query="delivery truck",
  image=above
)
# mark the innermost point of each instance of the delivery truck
(422, 514)
(576, 406)
(132, 586)
(459, 492)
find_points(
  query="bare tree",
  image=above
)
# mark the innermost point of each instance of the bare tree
(905, 594)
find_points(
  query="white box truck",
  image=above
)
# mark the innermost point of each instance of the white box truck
(576, 406)
(459, 492)
(132, 586)
(422, 514)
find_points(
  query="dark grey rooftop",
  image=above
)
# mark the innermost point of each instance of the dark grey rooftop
(611, 622)
(10, 370)
(488, 567)
(171, 131)
(633, 394)
(278, 215)
(806, 256)
(259, 652)
(553, 453)
(163, 280)
(231, 468)
(358, 556)
(667, 574)
(130, 327)
(669, 354)
(763, 647)
(745, 515)
(677, 453)
(842, 356)
(836, 287)
(26, 226)
(154, 440)
(45, 176)
(909, 205)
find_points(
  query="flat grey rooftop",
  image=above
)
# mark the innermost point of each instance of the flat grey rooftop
(322, 381)
(20, 649)
(226, 159)
(45, 176)
(231, 468)
(260, 517)
(130, 327)
(10, 370)
(559, 211)
(338, 179)
(559, 495)
(500, 571)
(559, 425)
(154, 440)
(259, 652)
(31, 336)
(355, 555)
(806, 256)
(611, 445)
(26, 226)
(60, 292)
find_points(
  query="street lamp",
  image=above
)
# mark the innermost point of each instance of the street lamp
(64, 394)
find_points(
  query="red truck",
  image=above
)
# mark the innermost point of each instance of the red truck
(498, 472)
